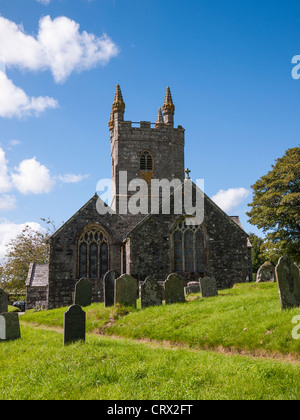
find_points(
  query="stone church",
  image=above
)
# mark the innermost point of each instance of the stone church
(149, 244)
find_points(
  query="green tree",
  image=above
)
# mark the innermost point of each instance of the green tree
(276, 206)
(258, 258)
(29, 246)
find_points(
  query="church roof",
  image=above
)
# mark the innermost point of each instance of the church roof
(38, 275)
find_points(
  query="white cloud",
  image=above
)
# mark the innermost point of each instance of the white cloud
(7, 202)
(5, 181)
(45, 2)
(9, 231)
(59, 47)
(72, 178)
(229, 199)
(31, 177)
(15, 103)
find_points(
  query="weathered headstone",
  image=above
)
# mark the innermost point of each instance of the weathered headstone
(150, 293)
(126, 290)
(174, 289)
(9, 326)
(192, 287)
(3, 301)
(288, 280)
(74, 324)
(208, 287)
(266, 273)
(83, 292)
(109, 287)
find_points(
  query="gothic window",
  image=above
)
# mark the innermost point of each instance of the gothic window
(92, 254)
(189, 253)
(146, 162)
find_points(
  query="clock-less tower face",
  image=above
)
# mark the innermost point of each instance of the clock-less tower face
(144, 150)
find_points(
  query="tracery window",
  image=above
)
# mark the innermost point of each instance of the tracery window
(93, 254)
(189, 253)
(146, 162)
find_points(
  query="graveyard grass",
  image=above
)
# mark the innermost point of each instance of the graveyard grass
(238, 345)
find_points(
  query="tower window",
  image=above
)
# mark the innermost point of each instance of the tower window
(146, 162)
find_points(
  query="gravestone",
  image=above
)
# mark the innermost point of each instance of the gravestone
(83, 292)
(3, 301)
(266, 273)
(150, 293)
(174, 289)
(9, 326)
(288, 281)
(192, 287)
(208, 287)
(74, 324)
(109, 287)
(126, 290)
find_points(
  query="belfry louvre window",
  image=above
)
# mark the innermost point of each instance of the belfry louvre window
(146, 162)
(92, 254)
(189, 254)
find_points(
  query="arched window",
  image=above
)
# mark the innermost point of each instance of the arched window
(189, 250)
(146, 162)
(92, 253)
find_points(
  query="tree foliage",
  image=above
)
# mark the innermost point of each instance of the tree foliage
(29, 246)
(276, 206)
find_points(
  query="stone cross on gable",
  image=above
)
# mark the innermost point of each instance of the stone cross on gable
(187, 171)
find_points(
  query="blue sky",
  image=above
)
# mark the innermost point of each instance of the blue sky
(227, 62)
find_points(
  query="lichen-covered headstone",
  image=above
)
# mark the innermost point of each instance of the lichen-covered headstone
(3, 301)
(126, 290)
(109, 287)
(174, 289)
(74, 324)
(9, 326)
(208, 287)
(288, 281)
(266, 273)
(192, 287)
(150, 293)
(83, 292)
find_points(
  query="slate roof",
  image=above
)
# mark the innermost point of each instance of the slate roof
(38, 275)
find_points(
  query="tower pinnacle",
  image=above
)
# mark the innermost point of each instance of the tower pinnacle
(168, 108)
(159, 119)
(118, 105)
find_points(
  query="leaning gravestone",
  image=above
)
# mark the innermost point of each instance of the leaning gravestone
(74, 324)
(9, 326)
(3, 301)
(174, 289)
(126, 290)
(266, 273)
(288, 280)
(208, 287)
(83, 292)
(150, 293)
(109, 287)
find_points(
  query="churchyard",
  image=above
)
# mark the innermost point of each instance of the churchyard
(239, 344)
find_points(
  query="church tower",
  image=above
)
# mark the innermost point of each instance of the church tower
(144, 150)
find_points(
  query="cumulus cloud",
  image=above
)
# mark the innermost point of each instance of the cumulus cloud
(5, 181)
(45, 2)
(9, 231)
(72, 178)
(31, 177)
(7, 202)
(15, 103)
(229, 199)
(59, 47)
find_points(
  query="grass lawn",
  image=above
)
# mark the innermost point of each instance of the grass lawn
(246, 319)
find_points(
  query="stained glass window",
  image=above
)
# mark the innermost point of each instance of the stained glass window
(189, 254)
(93, 254)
